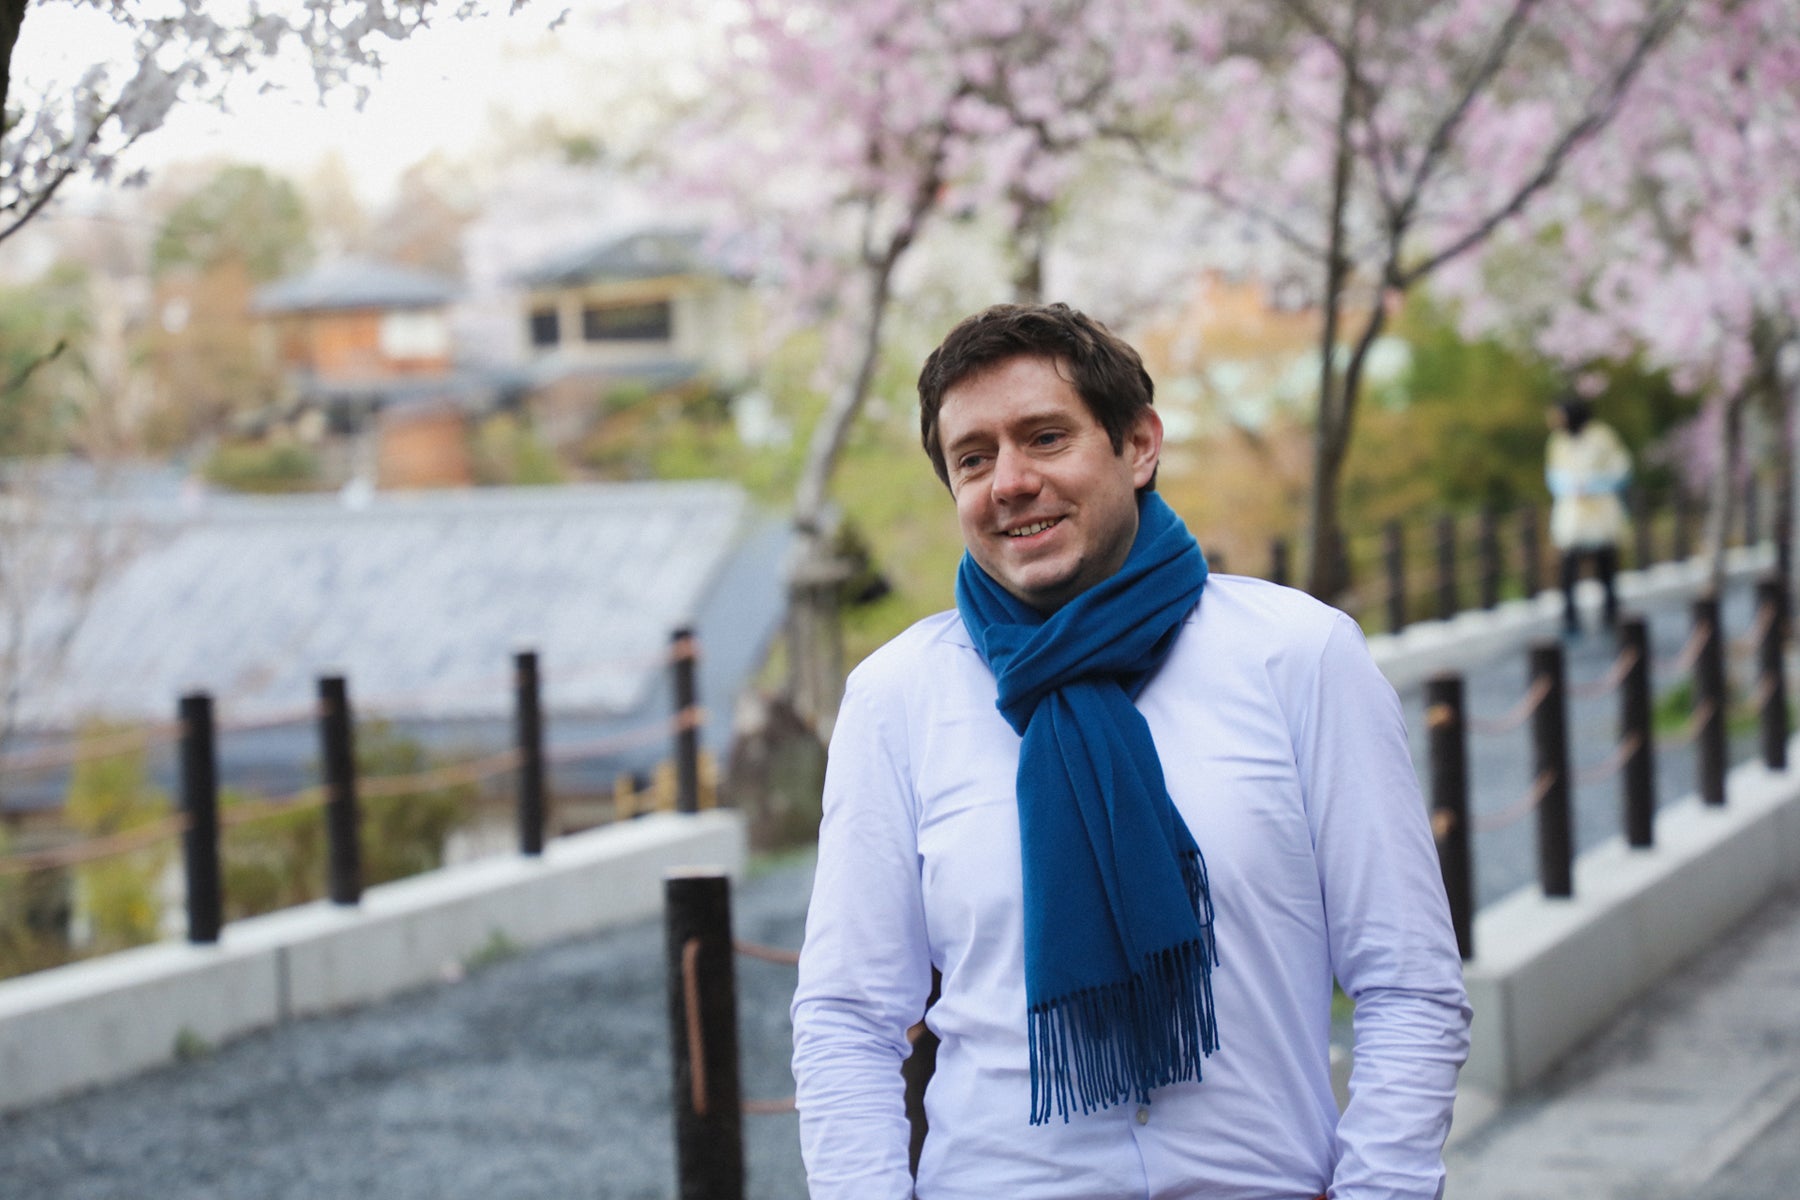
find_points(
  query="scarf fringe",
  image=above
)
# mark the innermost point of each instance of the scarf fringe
(1103, 1046)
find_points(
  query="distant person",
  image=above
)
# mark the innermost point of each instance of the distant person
(1586, 467)
(1020, 794)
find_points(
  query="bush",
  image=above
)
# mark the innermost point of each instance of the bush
(263, 467)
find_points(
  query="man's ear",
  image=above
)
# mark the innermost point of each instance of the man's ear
(1143, 446)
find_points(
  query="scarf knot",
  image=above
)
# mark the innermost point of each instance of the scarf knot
(1119, 946)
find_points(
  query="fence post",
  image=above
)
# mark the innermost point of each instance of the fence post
(1643, 547)
(1393, 555)
(1772, 674)
(1446, 567)
(1709, 702)
(709, 1134)
(1278, 561)
(1550, 746)
(1684, 533)
(1449, 746)
(1637, 776)
(683, 651)
(200, 801)
(338, 751)
(1489, 544)
(528, 728)
(1531, 552)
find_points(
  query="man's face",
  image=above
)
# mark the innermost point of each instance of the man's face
(1047, 507)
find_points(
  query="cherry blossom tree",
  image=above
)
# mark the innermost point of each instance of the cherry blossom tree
(1677, 240)
(1374, 144)
(179, 52)
(844, 133)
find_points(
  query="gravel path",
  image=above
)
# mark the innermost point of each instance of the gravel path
(542, 1076)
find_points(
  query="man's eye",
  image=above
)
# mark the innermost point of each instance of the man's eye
(970, 462)
(1047, 438)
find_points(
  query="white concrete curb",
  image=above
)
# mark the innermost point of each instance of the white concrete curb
(1471, 638)
(98, 1021)
(1547, 973)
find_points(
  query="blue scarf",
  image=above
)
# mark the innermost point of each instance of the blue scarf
(1118, 921)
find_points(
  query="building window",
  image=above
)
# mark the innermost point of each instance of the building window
(414, 335)
(627, 322)
(546, 329)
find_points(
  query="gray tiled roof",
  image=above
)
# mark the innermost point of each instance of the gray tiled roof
(649, 254)
(355, 283)
(421, 599)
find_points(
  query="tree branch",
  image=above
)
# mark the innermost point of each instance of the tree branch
(1598, 115)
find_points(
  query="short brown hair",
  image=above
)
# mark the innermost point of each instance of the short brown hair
(1107, 373)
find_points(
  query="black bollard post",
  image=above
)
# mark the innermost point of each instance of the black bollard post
(200, 801)
(1531, 552)
(1446, 567)
(1637, 776)
(1450, 801)
(709, 1134)
(1489, 544)
(1550, 746)
(1709, 702)
(683, 651)
(1393, 555)
(1772, 674)
(338, 752)
(1643, 547)
(528, 730)
(1684, 533)
(1278, 561)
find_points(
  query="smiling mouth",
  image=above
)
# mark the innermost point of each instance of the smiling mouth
(1028, 530)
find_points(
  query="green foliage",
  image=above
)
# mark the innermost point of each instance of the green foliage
(507, 452)
(242, 214)
(271, 862)
(119, 895)
(1467, 428)
(190, 1045)
(263, 467)
(497, 949)
(34, 917)
(44, 328)
(404, 835)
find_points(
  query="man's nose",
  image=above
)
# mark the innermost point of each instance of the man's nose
(1015, 475)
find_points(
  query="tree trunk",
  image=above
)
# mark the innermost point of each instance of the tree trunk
(1722, 508)
(815, 676)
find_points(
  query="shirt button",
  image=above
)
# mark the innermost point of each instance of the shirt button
(1143, 1116)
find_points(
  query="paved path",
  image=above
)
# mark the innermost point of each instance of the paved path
(1692, 1095)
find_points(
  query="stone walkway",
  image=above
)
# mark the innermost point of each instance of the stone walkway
(1694, 1094)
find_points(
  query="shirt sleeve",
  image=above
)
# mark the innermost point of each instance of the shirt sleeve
(1392, 946)
(865, 965)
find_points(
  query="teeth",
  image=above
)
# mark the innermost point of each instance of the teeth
(1028, 530)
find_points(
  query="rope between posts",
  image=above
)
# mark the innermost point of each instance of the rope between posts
(1688, 732)
(51, 757)
(123, 842)
(1615, 675)
(312, 796)
(1519, 714)
(383, 786)
(1540, 788)
(696, 1038)
(693, 717)
(770, 954)
(1618, 758)
(1690, 653)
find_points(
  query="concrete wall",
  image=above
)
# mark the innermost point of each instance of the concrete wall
(94, 1022)
(1548, 973)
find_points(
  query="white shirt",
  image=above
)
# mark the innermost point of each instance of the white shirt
(1285, 752)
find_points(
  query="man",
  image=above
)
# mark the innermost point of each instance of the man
(1139, 819)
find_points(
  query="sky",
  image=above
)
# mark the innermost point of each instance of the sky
(440, 90)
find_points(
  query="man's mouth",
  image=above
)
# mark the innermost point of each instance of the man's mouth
(1035, 527)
